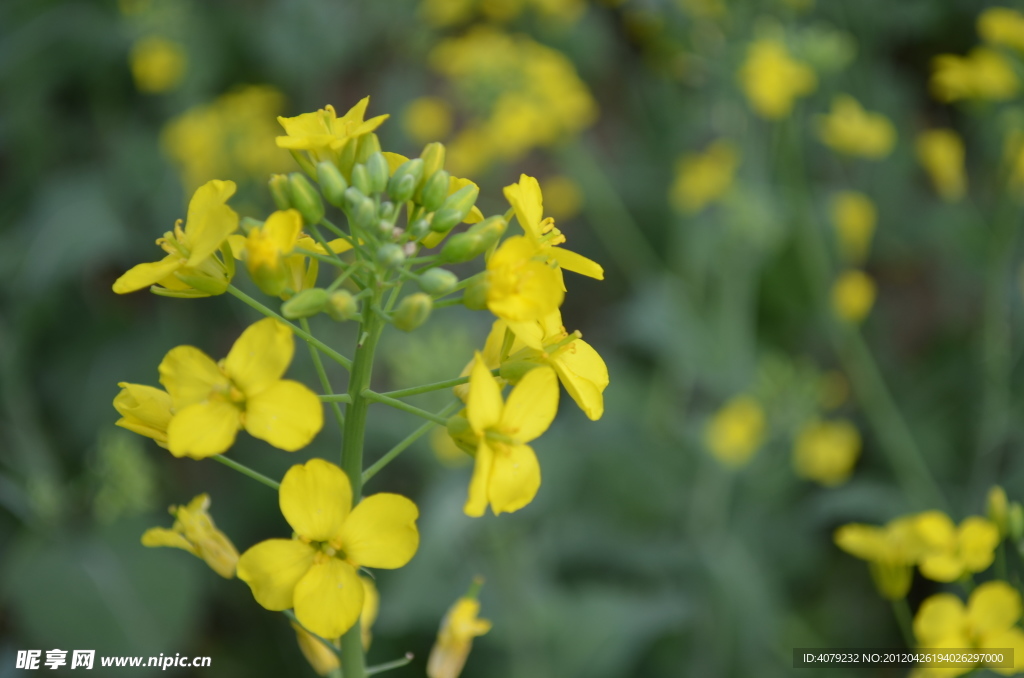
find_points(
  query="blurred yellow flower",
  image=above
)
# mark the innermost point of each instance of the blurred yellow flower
(232, 136)
(998, 509)
(854, 217)
(522, 286)
(323, 659)
(157, 64)
(212, 401)
(703, 178)
(1002, 26)
(736, 431)
(427, 119)
(941, 153)
(445, 449)
(455, 638)
(825, 451)
(195, 532)
(144, 410)
(445, 13)
(563, 197)
(506, 474)
(316, 573)
(989, 620)
(851, 130)
(773, 80)
(891, 552)
(1013, 151)
(323, 134)
(983, 74)
(955, 551)
(853, 295)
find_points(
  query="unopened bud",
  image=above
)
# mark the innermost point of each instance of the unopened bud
(279, 191)
(997, 507)
(390, 255)
(332, 183)
(514, 370)
(305, 198)
(419, 228)
(361, 210)
(475, 241)
(435, 190)
(433, 158)
(305, 304)
(405, 180)
(378, 171)
(475, 297)
(342, 306)
(454, 209)
(361, 179)
(438, 282)
(367, 145)
(413, 311)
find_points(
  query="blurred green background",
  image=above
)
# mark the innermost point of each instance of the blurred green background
(643, 555)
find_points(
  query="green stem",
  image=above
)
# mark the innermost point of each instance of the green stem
(405, 407)
(309, 338)
(387, 666)
(324, 381)
(901, 609)
(245, 470)
(326, 643)
(390, 455)
(320, 257)
(455, 301)
(426, 388)
(335, 398)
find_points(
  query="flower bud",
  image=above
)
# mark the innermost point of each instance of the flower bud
(405, 180)
(332, 184)
(998, 508)
(419, 228)
(387, 210)
(361, 210)
(212, 285)
(413, 311)
(367, 145)
(1015, 521)
(462, 434)
(514, 370)
(305, 198)
(305, 304)
(454, 209)
(279, 191)
(475, 298)
(462, 247)
(342, 306)
(435, 190)
(347, 157)
(361, 179)
(438, 282)
(377, 170)
(433, 158)
(390, 255)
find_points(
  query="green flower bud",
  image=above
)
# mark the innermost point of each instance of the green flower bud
(332, 183)
(347, 157)
(475, 298)
(342, 306)
(305, 198)
(279, 191)
(212, 285)
(413, 311)
(1015, 521)
(438, 282)
(462, 434)
(454, 209)
(405, 180)
(368, 144)
(377, 169)
(361, 210)
(305, 304)
(462, 247)
(390, 255)
(433, 158)
(387, 210)
(361, 180)
(248, 223)
(419, 228)
(435, 190)
(998, 508)
(514, 370)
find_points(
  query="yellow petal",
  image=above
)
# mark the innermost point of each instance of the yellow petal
(237, 242)
(936, 529)
(287, 415)
(476, 502)
(144, 410)
(527, 201)
(316, 498)
(381, 532)
(866, 542)
(144, 275)
(203, 430)
(1010, 639)
(161, 536)
(584, 375)
(329, 598)
(260, 356)
(210, 221)
(944, 567)
(272, 569)
(483, 407)
(940, 616)
(515, 478)
(282, 228)
(994, 607)
(577, 263)
(531, 406)
(395, 160)
(371, 605)
(189, 375)
(319, 657)
(978, 539)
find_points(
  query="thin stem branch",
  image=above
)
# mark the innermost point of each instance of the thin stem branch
(391, 454)
(245, 470)
(387, 666)
(325, 383)
(405, 407)
(426, 388)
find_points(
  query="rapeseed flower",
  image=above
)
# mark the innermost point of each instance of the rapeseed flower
(144, 410)
(941, 153)
(322, 659)
(563, 196)
(825, 451)
(427, 119)
(736, 431)
(983, 74)
(891, 552)
(158, 64)
(1002, 26)
(998, 510)
(316, 572)
(773, 80)
(455, 638)
(323, 134)
(212, 400)
(853, 296)
(851, 130)
(703, 178)
(194, 531)
(854, 217)
(952, 551)
(522, 285)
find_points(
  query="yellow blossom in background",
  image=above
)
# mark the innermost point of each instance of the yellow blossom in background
(988, 621)
(853, 296)
(736, 431)
(704, 178)
(941, 153)
(506, 473)
(316, 573)
(1002, 26)
(195, 532)
(982, 74)
(854, 217)
(144, 410)
(563, 197)
(955, 551)
(455, 638)
(158, 64)
(212, 401)
(891, 552)
(446, 13)
(997, 508)
(323, 659)
(705, 9)
(773, 80)
(191, 267)
(850, 130)
(825, 451)
(445, 449)
(323, 134)
(427, 119)
(232, 136)
(133, 7)
(522, 286)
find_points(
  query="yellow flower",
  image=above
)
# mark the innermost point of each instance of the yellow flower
(854, 217)
(522, 286)
(851, 130)
(427, 119)
(564, 196)
(506, 474)
(998, 510)
(825, 451)
(736, 431)
(191, 267)
(773, 80)
(528, 203)
(323, 134)
(703, 178)
(941, 153)
(1002, 26)
(195, 532)
(891, 552)
(445, 449)
(212, 401)
(144, 410)
(158, 64)
(321, 658)
(455, 639)
(316, 572)
(954, 551)
(987, 622)
(982, 74)
(853, 295)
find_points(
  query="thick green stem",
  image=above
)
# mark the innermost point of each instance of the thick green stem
(901, 609)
